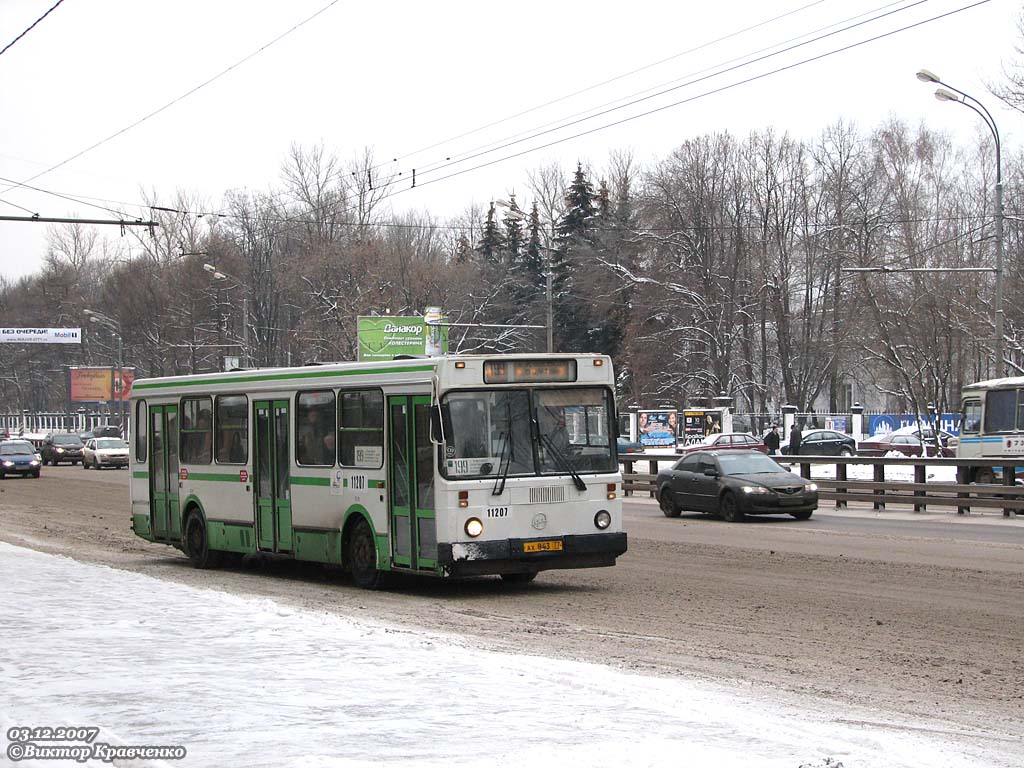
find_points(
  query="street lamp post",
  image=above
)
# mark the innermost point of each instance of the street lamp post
(516, 213)
(218, 275)
(949, 93)
(117, 382)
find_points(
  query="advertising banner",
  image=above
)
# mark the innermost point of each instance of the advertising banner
(884, 423)
(693, 427)
(41, 335)
(657, 427)
(381, 338)
(99, 385)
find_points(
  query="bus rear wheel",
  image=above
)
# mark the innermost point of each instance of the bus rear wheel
(197, 544)
(362, 556)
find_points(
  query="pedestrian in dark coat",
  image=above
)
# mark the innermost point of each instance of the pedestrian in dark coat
(771, 440)
(795, 437)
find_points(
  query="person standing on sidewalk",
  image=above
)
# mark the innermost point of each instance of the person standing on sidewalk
(771, 440)
(795, 437)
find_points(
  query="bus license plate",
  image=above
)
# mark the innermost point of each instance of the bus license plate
(542, 546)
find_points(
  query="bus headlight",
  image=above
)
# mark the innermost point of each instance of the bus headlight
(474, 527)
(603, 519)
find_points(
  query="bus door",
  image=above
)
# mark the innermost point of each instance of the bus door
(272, 467)
(411, 480)
(163, 473)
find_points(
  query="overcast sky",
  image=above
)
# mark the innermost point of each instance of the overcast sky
(401, 77)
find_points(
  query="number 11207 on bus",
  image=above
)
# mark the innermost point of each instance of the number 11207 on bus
(449, 466)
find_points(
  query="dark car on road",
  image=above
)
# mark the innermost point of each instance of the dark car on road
(901, 443)
(19, 457)
(732, 485)
(57, 448)
(822, 442)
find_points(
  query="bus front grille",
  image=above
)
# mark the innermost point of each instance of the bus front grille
(549, 494)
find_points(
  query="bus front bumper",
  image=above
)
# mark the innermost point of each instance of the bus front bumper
(479, 558)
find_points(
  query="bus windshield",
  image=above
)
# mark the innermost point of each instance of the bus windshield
(527, 432)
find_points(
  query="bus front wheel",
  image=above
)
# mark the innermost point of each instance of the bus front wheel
(362, 556)
(197, 544)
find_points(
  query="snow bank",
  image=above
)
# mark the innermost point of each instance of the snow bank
(241, 681)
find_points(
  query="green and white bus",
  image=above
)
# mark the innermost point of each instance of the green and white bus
(448, 466)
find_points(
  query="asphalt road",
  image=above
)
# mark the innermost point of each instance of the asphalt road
(914, 615)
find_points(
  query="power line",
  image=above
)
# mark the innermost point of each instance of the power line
(692, 98)
(52, 8)
(596, 111)
(602, 83)
(702, 95)
(641, 99)
(58, 194)
(619, 122)
(179, 98)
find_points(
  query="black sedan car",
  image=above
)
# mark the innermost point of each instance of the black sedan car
(734, 484)
(822, 442)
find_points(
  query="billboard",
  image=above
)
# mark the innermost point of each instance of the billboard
(99, 385)
(657, 427)
(381, 338)
(884, 423)
(41, 335)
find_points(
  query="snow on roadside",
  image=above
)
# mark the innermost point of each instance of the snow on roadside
(243, 681)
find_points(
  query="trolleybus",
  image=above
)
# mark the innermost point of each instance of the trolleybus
(992, 425)
(449, 466)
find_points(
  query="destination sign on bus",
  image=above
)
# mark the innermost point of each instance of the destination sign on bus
(528, 371)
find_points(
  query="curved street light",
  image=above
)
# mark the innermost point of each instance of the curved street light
(218, 275)
(117, 384)
(948, 93)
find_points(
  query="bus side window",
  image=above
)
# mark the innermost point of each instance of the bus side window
(1001, 410)
(232, 429)
(972, 416)
(196, 430)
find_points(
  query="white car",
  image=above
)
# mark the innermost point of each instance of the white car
(102, 452)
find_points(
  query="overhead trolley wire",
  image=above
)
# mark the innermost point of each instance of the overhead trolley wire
(179, 98)
(718, 73)
(30, 27)
(493, 145)
(601, 84)
(712, 92)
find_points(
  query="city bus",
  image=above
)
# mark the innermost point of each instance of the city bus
(448, 466)
(992, 425)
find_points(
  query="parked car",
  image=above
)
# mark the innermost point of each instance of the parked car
(103, 452)
(19, 457)
(57, 448)
(946, 439)
(622, 445)
(902, 443)
(728, 441)
(823, 442)
(734, 484)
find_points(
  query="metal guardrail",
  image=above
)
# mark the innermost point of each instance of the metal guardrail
(878, 491)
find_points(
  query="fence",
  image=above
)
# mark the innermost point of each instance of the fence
(878, 491)
(42, 423)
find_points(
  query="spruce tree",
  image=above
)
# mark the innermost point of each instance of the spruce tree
(572, 256)
(492, 241)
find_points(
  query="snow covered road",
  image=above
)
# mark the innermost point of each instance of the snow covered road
(249, 682)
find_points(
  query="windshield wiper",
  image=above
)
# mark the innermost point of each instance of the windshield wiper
(503, 465)
(576, 479)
